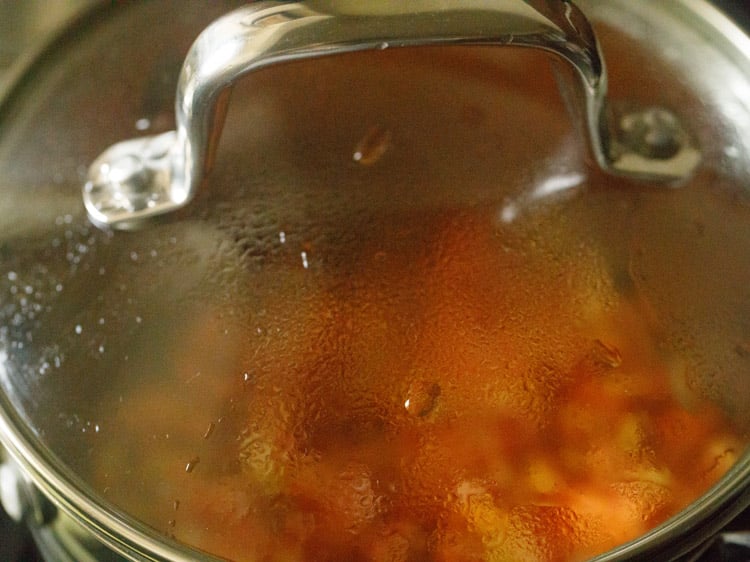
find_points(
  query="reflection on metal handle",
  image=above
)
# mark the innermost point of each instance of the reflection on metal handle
(140, 178)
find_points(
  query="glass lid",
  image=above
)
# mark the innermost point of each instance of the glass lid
(404, 312)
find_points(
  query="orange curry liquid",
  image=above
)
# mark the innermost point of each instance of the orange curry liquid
(435, 382)
(453, 399)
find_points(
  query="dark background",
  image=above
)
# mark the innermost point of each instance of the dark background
(15, 545)
(739, 10)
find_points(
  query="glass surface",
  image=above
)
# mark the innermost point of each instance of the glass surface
(129, 355)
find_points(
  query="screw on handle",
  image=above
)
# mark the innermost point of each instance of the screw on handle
(140, 178)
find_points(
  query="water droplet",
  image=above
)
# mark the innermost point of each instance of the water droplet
(176, 504)
(422, 397)
(143, 124)
(607, 355)
(305, 263)
(209, 430)
(372, 146)
(383, 46)
(282, 237)
(79, 329)
(191, 464)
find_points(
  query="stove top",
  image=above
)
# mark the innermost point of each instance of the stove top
(21, 25)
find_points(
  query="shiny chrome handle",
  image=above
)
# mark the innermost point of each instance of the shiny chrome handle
(140, 178)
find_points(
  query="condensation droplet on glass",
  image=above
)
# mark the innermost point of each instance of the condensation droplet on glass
(305, 263)
(176, 505)
(12, 276)
(282, 237)
(608, 355)
(101, 349)
(79, 329)
(372, 146)
(209, 430)
(143, 124)
(383, 46)
(191, 464)
(422, 397)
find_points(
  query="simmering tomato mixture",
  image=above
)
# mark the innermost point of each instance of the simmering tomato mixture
(453, 392)
(410, 324)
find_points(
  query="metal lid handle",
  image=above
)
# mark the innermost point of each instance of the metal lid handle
(137, 179)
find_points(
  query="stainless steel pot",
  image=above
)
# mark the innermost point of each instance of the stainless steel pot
(93, 316)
